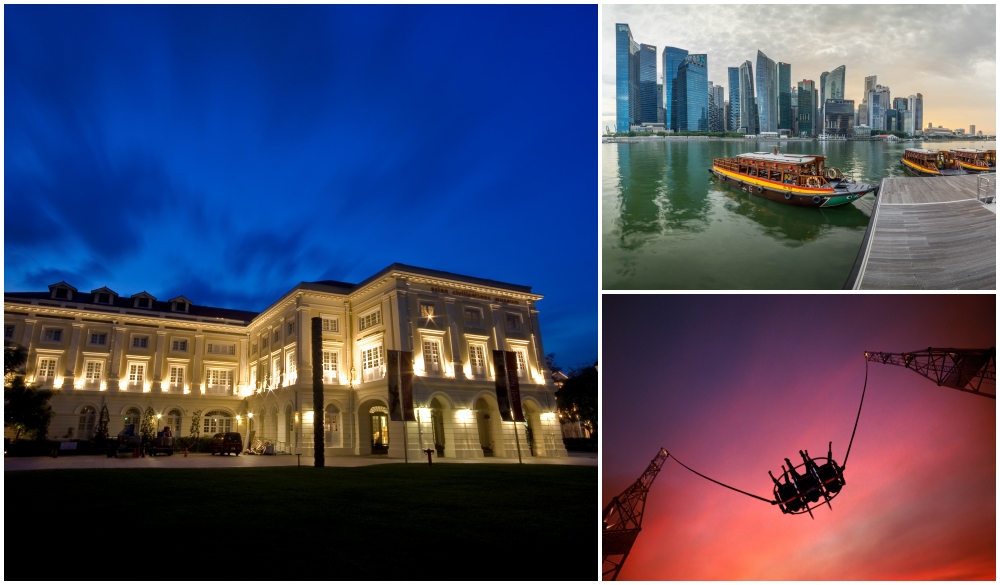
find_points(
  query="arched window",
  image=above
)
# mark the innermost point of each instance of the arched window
(217, 421)
(132, 417)
(174, 422)
(331, 426)
(86, 427)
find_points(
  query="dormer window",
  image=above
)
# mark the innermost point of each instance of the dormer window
(143, 300)
(143, 303)
(104, 296)
(62, 293)
(180, 305)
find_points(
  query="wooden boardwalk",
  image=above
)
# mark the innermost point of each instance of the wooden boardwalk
(927, 233)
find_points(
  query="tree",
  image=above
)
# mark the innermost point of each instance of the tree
(101, 433)
(578, 397)
(26, 409)
(148, 428)
(196, 424)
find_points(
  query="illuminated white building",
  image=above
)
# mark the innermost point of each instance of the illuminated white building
(253, 372)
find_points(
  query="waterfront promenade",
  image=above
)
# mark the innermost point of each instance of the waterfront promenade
(928, 233)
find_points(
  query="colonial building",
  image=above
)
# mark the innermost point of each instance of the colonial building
(215, 370)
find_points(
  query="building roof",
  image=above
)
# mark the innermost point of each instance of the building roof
(85, 300)
(923, 150)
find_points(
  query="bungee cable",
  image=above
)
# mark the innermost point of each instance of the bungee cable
(720, 483)
(844, 466)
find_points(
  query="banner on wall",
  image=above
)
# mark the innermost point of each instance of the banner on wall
(514, 386)
(503, 402)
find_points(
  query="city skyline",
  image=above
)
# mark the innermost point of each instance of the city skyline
(954, 97)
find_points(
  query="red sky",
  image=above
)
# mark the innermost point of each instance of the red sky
(732, 384)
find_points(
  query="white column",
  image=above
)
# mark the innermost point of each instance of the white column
(456, 357)
(536, 338)
(116, 359)
(498, 325)
(303, 347)
(243, 377)
(71, 357)
(29, 329)
(199, 347)
(161, 340)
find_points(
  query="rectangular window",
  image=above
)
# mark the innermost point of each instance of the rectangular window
(54, 335)
(180, 345)
(427, 310)
(46, 369)
(513, 322)
(370, 320)
(277, 334)
(177, 376)
(219, 381)
(143, 303)
(136, 374)
(263, 343)
(98, 338)
(222, 348)
(275, 369)
(331, 325)
(62, 293)
(103, 298)
(477, 359)
(432, 356)
(522, 363)
(140, 342)
(291, 327)
(330, 373)
(371, 360)
(93, 372)
(8, 332)
(473, 317)
(290, 363)
(253, 348)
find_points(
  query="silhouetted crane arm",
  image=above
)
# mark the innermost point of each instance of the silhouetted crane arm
(622, 519)
(968, 370)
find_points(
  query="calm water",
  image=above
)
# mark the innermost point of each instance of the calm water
(668, 224)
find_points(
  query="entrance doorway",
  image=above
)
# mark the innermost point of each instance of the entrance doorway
(484, 423)
(380, 430)
(437, 422)
(529, 435)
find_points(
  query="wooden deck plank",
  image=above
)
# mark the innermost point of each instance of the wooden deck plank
(930, 233)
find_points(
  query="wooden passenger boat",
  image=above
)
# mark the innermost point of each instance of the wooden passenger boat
(930, 162)
(976, 160)
(795, 179)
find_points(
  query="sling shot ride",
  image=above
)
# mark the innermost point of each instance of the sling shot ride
(967, 370)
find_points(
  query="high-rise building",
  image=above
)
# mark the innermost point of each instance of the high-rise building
(833, 88)
(626, 78)
(672, 58)
(899, 104)
(659, 103)
(749, 120)
(767, 96)
(692, 94)
(807, 89)
(728, 116)
(647, 83)
(822, 100)
(892, 120)
(862, 117)
(733, 116)
(817, 123)
(878, 105)
(839, 117)
(972, 129)
(716, 108)
(795, 110)
(907, 117)
(785, 96)
(918, 112)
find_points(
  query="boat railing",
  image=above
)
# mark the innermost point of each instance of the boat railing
(986, 187)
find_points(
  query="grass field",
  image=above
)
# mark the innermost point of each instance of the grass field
(398, 522)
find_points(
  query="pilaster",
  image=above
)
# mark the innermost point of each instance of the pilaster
(456, 357)
(74, 351)
(161, 337)
(116, 359)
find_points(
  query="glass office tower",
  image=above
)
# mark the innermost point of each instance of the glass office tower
(672, 58)
(832, 88)
(692, 94)
(918, 114)
(785, 96)
(839, 117)
(749, 120)
(626, 78)
(647, 83)
(734, 99)
(806, 109)
(767, 97)
(878, 105)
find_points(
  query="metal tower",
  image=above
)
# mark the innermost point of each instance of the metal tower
(623, 518)
(961, 369)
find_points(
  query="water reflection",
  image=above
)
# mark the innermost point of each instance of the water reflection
(791, 225)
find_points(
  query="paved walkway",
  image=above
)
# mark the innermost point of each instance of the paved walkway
(204, 460)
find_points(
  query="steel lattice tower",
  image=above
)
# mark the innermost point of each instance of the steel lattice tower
(623, 518)
(961, 369)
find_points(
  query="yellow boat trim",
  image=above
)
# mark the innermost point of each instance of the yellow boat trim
(774, 186)
(973, 167)
(920, 168)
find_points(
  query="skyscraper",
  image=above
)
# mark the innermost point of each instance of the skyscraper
(878, 105)
(839, 117)
(716, 108)
(647, 83)
(834, 88)
(672, 58)
(795, 110)
(785, 96)
(870, 83)
(734, 100)
(626, 78)
(822, 101)
(807, 88)
(692, 94)
(749, 120)
(972, 129)
(918, 113)
(907, 116)
(659, 103)
(767, 96)
(900, 104)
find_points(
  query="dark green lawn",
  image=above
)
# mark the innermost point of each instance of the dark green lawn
(394, 521)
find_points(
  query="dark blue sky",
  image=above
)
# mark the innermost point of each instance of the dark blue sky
(226, 153)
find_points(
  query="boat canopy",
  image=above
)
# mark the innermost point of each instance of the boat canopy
(971, 150)
(922, 151)
(778, 158)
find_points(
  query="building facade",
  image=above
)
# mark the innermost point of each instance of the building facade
(692, 92)
(749, 121)
(626, 79)
(839, 118)
(807, 109)
(918, 112)
(205, 370)
(659, 103)
(647, 84)
(672, 59)
(716, 108)
(733, 116)
(767, 96)
(878, 106)
(784, 97)
(833, 88)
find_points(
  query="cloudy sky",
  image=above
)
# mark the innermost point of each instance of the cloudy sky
(947, 53)
(733, 384)
(226, 153)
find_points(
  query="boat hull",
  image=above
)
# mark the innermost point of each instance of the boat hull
(976, 169)
(926, 172)
(815, 198)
